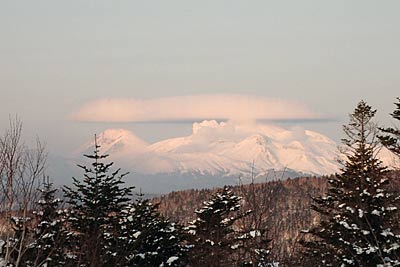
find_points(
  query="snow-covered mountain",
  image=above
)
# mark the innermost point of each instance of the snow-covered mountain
(116, 142)
(218, 151)
(214, 154)
(232, 149)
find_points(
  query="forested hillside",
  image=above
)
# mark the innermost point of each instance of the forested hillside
(285, 205)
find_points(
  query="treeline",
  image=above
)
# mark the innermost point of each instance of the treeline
(288, 212)
(285, 206)
(348, 219)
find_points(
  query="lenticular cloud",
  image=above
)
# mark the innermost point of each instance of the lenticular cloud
(192, 108)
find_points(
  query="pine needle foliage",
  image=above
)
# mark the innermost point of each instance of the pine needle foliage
(213, 235)
(391, 135)
(358, 225)
(149, 238)
(46, 248)
(94, 203)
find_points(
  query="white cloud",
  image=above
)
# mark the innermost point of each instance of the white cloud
(192, 108)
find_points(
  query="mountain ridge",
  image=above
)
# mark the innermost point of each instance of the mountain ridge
(213, 155)
(223, 148)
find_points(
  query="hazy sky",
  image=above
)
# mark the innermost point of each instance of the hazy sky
(57, 56)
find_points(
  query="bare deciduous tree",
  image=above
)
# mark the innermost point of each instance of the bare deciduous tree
(21, 170)
(256, 199)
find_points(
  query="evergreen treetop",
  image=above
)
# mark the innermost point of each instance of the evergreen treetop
(149, 238)
(94, 203)
(47, 246)
(100, 192)
(391, 135)
(213, 237)
(358, 213)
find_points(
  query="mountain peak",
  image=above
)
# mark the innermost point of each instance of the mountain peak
(112, 135)
(116, 142)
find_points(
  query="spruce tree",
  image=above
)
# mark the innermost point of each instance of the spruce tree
(94, 203)
(213, 237)
(150, 239)
(47, 246)
(391, 135)
(358, 214)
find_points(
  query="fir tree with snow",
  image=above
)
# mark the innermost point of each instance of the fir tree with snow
(46, 248)
(94, 203)
(358, 225)
(214, 239)
(391, 135)
(148, 238)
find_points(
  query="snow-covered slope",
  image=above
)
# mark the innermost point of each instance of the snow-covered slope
(223, 149)
(233, 149)
(116, 142)
(215, 154)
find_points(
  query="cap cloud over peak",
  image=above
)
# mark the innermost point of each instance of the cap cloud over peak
(193, 108)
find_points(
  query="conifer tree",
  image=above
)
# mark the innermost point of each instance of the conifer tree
(148, 238)
(94, 203)
(358, 214)
(47, 246)
(391, 137)
(213, 238)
